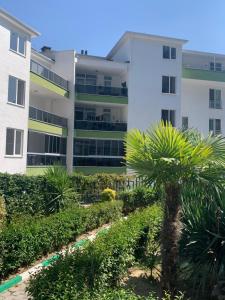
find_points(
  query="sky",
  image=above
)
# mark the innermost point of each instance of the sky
(96, 25)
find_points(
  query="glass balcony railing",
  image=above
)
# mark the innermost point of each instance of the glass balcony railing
(98, 161)
(101, 90)
(100, 125)
(45, 160)
(49, 75)
(46, 117)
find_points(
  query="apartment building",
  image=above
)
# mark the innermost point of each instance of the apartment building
(74, 109)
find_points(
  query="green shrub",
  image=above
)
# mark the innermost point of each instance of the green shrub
(101, 264)
(90, 187)
(2, 212)
(35, 195)
(23, 194)
(137, 198)
(60, 193)
(22, 242)
(108, 195)
(202, 247)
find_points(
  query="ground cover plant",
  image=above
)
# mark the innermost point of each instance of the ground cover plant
(100, 265)
(28, 239)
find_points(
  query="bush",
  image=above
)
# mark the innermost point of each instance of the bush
(2, 212)
(137, 198)
(90, 187)
(101, 264)
(60, 192)
(108, 195)
(37, 195)
(23, 194)
(23, 242)
(202, 247)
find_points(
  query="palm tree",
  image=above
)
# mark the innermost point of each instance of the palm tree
(170, 158)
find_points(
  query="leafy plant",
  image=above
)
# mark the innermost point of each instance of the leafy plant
(202, 247)
(108, 195)
(167, 157)
(28, 239)
(60, 192)
(100, 265)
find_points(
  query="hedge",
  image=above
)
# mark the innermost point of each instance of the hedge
(100, 265)
(27, 240)
(138, 198)
(29, 194)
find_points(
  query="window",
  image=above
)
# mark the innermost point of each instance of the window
(168, 84)
(215, 66)
(168, 116)
(17, 43)
(14, 142)
(16, 91)
(215, 126)
(107, 81)
(184, 123)
(169, 52)
(215, 98)
(88, 79)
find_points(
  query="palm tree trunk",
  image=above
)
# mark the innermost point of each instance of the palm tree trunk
(170, 238)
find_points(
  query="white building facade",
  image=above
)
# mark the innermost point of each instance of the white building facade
(61, 107)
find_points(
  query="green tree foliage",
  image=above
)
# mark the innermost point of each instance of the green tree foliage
(167, 157)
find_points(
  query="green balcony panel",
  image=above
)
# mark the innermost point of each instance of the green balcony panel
(36, 170)
(48, 85)
(101, 98)
(47, 128)
(79, 133)
(203, 75)
(94, 170)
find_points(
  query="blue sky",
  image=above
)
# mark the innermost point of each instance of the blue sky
(97, 24)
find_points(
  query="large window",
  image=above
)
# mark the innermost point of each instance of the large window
(16, 91)
(213, 66)
(168, 116)
(169, 52)
(17, 43)
(90, 147)
(215, 98)
(43, 143)
(14, 142)
(169, 84)
(83, 78)
(215, 126)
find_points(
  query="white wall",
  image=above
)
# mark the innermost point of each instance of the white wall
(11, 115)
(65, 65)
(195, 104)
(146, 69)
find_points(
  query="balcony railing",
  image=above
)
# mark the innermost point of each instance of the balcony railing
(98, 161)
(101, 90)
(46, 117)
(204, 67)
(100, 125)
(45, 160)
(49, 75)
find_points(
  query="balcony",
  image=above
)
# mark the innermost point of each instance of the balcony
(43, 121)
(46, 117)
(48, 79)
(100, 125)
(101, 93)
(45, 160)
(202, 72)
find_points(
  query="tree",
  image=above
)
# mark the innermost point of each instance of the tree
(170, 158)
